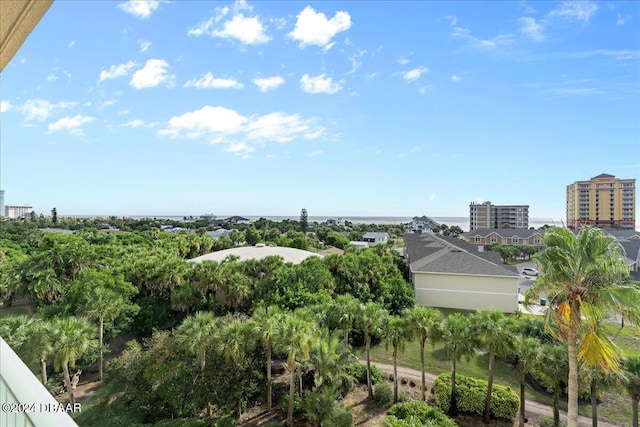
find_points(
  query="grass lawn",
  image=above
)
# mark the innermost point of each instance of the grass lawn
(436, 361)
(615, 405)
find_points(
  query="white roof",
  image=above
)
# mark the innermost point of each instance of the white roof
(295, 256)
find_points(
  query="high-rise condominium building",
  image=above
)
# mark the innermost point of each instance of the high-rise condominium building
(17, 211)
(604, 201)
(486, 215)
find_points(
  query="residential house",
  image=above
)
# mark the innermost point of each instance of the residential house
(373, 239)
(630, 241)
(504, 236)
(422, 224)
(447, 272)
(219, 233)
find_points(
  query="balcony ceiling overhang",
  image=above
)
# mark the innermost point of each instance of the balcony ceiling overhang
(17, 19)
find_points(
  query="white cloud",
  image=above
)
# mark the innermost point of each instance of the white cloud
(578, 10)
(278, 127)
(51, 78)
(355, 60)
(413, 150)
(268, 83)
(72, 43)
(453, 20)
(5, 106)
(247, 29)
(107, 103)
(478, 43)
(432, 197)
(223, 125)
(208, 119)
(71, 124)
(532, 29)
(137, 123)
(144, 45)
(319, 84)
(117, 71)
(67, 74)
(456, 78)
(240, 149)
(313, 28)
(40, 109)
(208, 81)
(314, 153)
(414, 74)
(622, 19)
(140, 8)
(403, 61)
(152, 74)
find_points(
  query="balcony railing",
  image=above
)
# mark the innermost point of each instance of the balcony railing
(24, 400)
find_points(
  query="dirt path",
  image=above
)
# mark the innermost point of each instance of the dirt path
(533, 410)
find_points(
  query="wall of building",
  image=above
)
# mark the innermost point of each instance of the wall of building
(466, 291)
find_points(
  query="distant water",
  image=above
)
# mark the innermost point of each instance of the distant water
(460, 221)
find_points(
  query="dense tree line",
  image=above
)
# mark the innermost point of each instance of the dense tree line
(208, 331)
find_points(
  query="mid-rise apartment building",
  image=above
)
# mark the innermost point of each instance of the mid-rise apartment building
(604, 201)
(486, 215)
(17, 211)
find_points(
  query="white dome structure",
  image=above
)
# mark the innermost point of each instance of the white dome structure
(259, 251)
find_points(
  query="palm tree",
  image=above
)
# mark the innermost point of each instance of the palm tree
(346, 308)
(424, 321)
(295, 338)
(266, 320)
(496, 332)
(632, 368)
(459, 339)
(234, 343)
(370, 318)
(15, 330)
(582, 276)
(555, 360)
(237, 289)
(330, 359)
(73, 337)
(599, 378)
(99, 304)
(198, 333)
(528, 354)
(396, 331)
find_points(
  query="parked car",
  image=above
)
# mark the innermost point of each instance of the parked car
(528, 271)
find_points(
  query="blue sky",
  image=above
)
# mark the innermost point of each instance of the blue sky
(343, 108)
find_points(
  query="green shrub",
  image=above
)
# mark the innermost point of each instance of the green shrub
(548, 422)
(382, 393)
(411, 421)
(471, 393)
(359, 372)
(424, 412)
(319, 404)
(341, 417)
(298, 404)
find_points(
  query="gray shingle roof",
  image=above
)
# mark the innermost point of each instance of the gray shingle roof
(428, 253)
